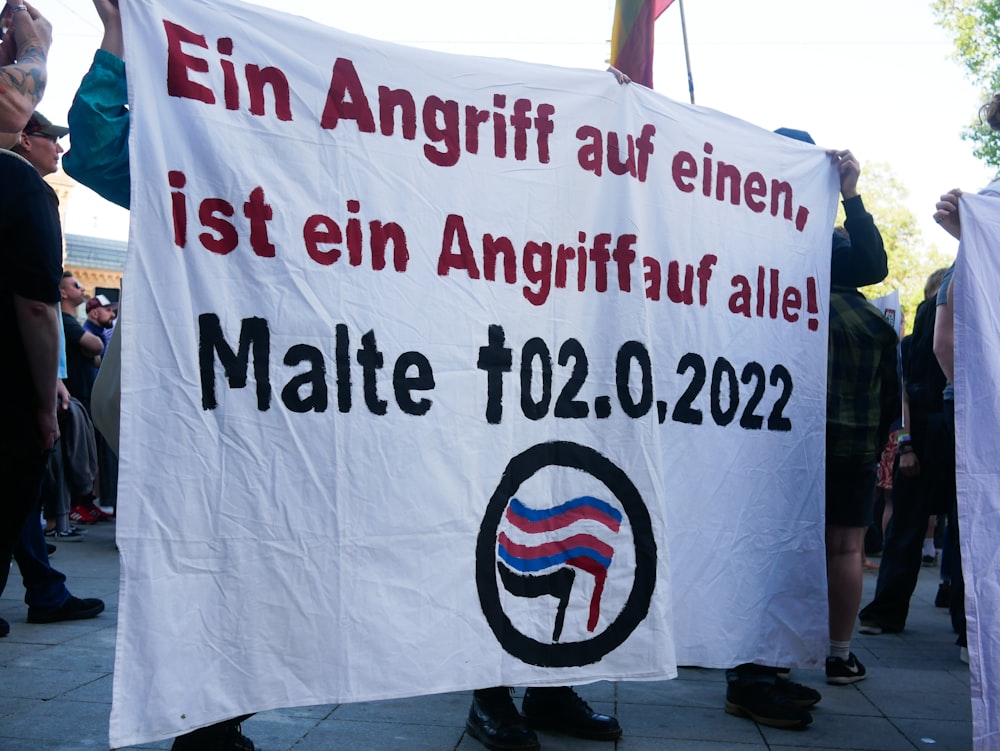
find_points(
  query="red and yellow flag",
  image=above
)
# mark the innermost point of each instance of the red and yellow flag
(632, 38)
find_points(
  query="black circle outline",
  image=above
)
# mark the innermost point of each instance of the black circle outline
(566, 654)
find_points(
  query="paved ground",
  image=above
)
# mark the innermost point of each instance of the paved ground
(55, 691)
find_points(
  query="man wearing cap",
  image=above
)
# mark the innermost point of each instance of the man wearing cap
(39, 143)
(100, 319)
(100, 322)
(30, 269)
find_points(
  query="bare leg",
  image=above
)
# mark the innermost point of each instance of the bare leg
(844, 550)
(887, 511)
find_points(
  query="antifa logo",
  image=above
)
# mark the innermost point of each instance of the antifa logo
(543, 564)
(581, 551)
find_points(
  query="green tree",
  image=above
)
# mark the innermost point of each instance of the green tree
(911, 261)
(975, 28)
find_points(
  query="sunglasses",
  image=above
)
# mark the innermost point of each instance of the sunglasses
(46, 136)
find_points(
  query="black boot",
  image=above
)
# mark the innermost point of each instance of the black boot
(495, 722)
(222, 736)
(764, 703)
(560, 709)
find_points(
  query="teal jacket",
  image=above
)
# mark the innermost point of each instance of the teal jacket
(98, 126)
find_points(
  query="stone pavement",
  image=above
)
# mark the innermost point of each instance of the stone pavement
(55, 691)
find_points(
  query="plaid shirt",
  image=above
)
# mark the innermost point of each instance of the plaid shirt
(862, 387)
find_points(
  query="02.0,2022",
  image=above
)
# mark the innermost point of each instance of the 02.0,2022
(750, 397)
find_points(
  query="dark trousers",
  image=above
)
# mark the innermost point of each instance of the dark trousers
(44, 587)
(55, 491)
(748, 673)
(914, 500)
(22, 465)
(107, 472)
(956, 607)
(902, 549)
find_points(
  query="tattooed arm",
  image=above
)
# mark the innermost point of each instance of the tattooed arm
(23, 53)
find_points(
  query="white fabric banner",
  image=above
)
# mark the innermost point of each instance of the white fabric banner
(888, 305)
(446, 372)
(977, 415)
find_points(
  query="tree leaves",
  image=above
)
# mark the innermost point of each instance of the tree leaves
(975, 28)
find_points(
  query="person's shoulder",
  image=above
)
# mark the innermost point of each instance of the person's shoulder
(71, 322)
(20, 180)
(942, 294)
(13, 157)
(992, 190)
(15, 167)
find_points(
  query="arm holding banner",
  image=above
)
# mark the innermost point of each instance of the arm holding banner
(860, 260)
(619, 76)
(111, 17)
(99, 122)
(946, 213)
(948, 216)
(23, 73)
(99, 117)
(862, 357)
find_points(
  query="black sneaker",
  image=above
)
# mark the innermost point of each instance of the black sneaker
(561, 710)
(765, 704)
(495, 722)
(222, 736)
(840, 672)
(70, 535)
(796, 693)
(74, 609)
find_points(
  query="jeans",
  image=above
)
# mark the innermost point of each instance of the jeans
(902, 549)
(44, 587)
(21, 470)
(957, 605)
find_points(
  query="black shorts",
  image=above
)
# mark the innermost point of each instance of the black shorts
(850, 492)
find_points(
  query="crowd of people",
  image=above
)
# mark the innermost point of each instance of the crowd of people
(890, 410)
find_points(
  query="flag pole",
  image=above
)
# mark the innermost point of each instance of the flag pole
(687, 57)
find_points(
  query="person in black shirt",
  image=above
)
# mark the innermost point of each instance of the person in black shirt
(30, 269)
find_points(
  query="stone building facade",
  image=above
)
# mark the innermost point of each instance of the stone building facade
(97, 263)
